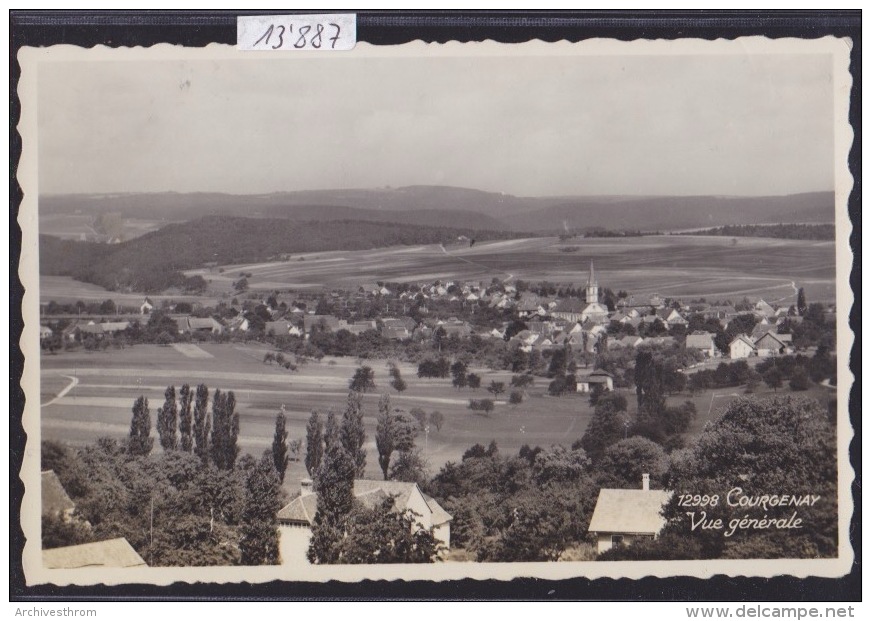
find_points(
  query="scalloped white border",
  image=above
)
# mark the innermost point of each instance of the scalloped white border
(28, 176)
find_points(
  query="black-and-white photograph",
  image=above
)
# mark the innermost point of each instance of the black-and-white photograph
(486, 309)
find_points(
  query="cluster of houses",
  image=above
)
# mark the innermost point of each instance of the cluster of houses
(549, 322)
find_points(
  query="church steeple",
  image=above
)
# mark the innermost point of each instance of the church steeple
(592, 286)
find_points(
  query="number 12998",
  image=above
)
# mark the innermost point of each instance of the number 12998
(698, 500)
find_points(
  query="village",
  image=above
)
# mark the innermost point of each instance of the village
(530, 318)
(587, 339)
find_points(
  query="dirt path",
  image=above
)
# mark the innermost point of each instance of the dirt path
(74, 381)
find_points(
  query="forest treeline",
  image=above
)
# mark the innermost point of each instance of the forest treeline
(154, 262)
(817, 232)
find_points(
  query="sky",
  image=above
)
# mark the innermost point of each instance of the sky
(749, 125)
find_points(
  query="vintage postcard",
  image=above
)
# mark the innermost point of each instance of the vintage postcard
(436, 311)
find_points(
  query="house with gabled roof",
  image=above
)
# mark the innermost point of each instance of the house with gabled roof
(624, 516)
(763, 309)
(300, 512)
(773, 344)
(203, 325)
(742, 346)
(701, 341)
(599, 377)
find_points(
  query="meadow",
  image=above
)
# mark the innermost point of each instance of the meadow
(98, 389)
(680, 266)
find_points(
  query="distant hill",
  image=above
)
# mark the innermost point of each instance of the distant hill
(154, 262)
(421, 206)
(676, 213)
(463, 208)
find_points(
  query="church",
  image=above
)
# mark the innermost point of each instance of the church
(593, 312)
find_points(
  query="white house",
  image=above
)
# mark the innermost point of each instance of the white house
(296, 518)
(146, 307)
(596, 378)
(623, 516)
(742, 347)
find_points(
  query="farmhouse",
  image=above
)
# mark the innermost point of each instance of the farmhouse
(764, 309)
(146, 307)
(45, 332)
(201, 325)
(623, 516)
(703, 342)
(772, 344)
(742, 346)
(597, 378)
(671, 317)
(299, 513)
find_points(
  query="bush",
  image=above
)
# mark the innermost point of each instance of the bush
(482, 405)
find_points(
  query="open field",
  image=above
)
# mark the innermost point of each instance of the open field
(681, 266)
(65, 290)
(108, 383)
(101, 387)
(685, 266)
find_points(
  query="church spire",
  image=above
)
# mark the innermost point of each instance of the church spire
(592, 290)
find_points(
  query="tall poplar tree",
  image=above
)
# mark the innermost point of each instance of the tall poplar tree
(394, 432)
(258, 543)
(279, 445)
(352, 432)
(225, 430)
(167, 421)
(185, 430)
(140, 442)
(202, 423)
(334, 484)
(314, 443)
(801, 303)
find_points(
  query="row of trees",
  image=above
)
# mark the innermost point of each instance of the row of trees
(185, 423)
(344, 529)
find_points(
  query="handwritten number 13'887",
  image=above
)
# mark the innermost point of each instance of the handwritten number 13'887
(301, 41)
